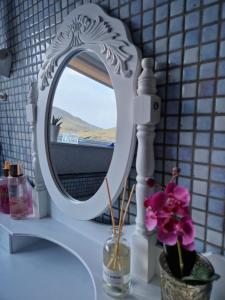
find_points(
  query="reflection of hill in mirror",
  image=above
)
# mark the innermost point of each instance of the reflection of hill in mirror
(77, 128)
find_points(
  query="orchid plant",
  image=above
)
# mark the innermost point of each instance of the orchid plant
(168, 211)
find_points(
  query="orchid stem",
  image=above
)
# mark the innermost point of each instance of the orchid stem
(181, 263)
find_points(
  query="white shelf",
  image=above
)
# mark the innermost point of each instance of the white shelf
(43, 271)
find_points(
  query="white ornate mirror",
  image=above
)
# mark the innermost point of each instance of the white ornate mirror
(96, 48)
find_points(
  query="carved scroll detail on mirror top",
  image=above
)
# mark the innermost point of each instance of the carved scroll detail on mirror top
(84, 30)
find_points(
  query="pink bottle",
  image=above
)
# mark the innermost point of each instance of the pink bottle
(18, 194)
(4, 195)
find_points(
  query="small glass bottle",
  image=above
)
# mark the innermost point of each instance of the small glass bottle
(17, 194)
(4, 195)
(116, 267)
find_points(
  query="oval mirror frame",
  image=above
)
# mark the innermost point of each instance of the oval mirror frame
(88, 27)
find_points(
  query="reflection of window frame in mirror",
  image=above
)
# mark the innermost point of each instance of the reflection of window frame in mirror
(86, 67)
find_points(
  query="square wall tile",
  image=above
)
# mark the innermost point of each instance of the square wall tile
(189, 90)
(210, 14)
(188, 106)
(202, 139)
(192, 38)
(187, 123)
(219, 124)
(220, 105)
(192, 4)
(216, 206)
(185, 168)
(161, 12)
(206, 88)
(186, 138)
(198, 217)
(200, 187)
(222, 49)
(219, 140)
(210, 33)
(201, 155)
(199, 201)
(217, 190)
(185, 153)
(221, 87)
(191, 55)
(204, 123)
(192, 20)
(208, 70)
(176, 7)
(209, 51)
(201, 171)
(176, 24)
(147, 4)
(190, 73)
(214, 237)
(221, 71)
(205, 105)
(218, 174)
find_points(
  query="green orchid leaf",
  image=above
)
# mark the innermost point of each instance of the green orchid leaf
(215, 277)
(201, 274)
(202, 279)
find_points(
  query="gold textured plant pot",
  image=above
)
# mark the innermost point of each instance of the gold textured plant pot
(174, 289)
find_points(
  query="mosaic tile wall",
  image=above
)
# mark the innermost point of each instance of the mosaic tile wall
(187, 39)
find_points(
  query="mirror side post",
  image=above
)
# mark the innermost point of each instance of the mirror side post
(147, 108)
(40, 196)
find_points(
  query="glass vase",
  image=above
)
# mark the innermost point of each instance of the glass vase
(116, 266)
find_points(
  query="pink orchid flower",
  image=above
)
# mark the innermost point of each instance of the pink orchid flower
(168, 210)
(173, 230)
(179, 193)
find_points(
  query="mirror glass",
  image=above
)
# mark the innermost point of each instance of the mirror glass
(82, 126)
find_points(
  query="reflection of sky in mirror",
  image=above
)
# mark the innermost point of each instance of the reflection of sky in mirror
(86, 99)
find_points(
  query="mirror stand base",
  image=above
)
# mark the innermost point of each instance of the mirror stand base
(40, 203)
(144, 253)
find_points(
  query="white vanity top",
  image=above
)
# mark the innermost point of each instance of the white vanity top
(86, 244)
(43, 271)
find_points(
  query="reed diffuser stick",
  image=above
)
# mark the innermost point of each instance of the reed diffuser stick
(127, 206)
(120, 221)
(111, 207)
(122, 224)
(122, 204)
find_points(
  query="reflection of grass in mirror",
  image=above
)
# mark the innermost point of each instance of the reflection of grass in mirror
(108, 135)
(74, 128)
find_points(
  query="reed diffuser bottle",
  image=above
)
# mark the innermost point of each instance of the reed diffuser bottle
(116, 266)
(116, 252)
